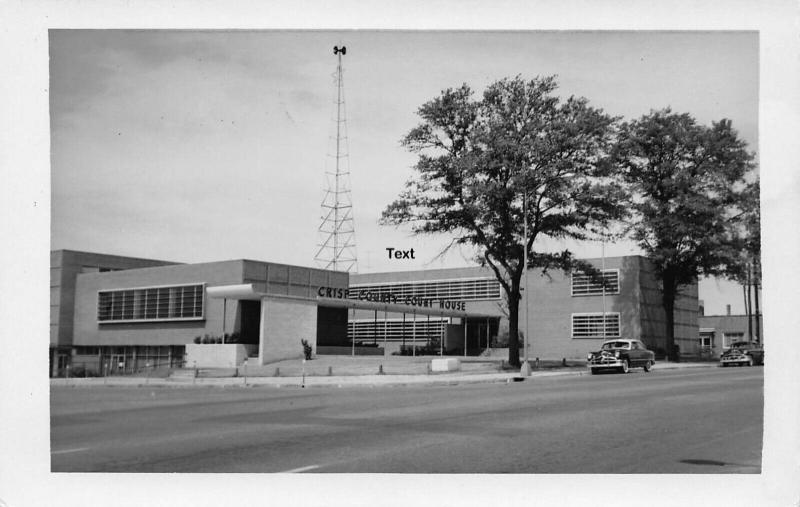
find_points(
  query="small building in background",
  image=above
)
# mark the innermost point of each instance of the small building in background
(718, 332)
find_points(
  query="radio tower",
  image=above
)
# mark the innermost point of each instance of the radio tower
(337, 246)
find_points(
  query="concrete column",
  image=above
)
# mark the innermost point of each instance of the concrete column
(414, 335)
(465, 336)
(262, 327)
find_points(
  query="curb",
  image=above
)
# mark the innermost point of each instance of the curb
(340, 382)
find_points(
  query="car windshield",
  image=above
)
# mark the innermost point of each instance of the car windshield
(616, 345)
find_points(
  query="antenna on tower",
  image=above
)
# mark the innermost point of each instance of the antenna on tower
(337, 246)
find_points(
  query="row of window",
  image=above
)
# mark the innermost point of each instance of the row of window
(586, 285)
(151, 303)
(478, 289)
(420, 330)
(593, 325)
(475, 289)
(728, 338)
(584, 325)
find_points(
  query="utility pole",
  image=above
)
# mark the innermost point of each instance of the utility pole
(603, 278)
(757, 282)
(749, 304)
(525, 370)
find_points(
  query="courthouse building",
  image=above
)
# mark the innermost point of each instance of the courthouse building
(124, 313)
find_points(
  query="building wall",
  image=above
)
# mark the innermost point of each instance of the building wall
(65, 266)
(88, 331)
(287, 320)
(419, 275)
(493, 307)
(286, 280)
(284, 322)
(551, 305)
(685, 313)
(638, 304)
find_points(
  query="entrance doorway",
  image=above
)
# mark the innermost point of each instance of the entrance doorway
(250, 321)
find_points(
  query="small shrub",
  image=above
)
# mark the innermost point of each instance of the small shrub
(197, 339)
(501, 340)
(306, 349)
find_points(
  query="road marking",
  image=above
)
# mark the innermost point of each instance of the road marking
(64, 451)
(299, 470)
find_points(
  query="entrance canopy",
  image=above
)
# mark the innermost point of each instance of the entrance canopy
(399, 308)
(248, 292)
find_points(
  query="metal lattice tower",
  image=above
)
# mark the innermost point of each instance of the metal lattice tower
(337, 238)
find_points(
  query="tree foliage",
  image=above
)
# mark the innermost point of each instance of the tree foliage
(482, 161)
(689, 191)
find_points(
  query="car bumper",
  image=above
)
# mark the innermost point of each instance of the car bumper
(734, 360)
(615, 363)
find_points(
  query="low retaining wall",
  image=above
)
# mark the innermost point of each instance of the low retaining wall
(446, 364)
(217, 355)
(347, 351)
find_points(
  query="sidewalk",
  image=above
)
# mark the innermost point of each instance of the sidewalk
(361, 380)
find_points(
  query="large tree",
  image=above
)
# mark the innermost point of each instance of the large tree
(687, 183)
(484, 164)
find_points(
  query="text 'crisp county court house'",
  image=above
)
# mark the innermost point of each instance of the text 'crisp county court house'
(108, 311)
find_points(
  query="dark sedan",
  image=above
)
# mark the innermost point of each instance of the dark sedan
(621, 355)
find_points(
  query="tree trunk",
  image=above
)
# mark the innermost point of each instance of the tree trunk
(513, 327)
(669, 315)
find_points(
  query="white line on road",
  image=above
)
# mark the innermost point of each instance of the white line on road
(64, 451)
(301, 469)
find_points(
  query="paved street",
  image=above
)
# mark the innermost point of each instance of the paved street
(703, 420)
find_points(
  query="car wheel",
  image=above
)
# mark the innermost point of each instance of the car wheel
(625, 366)
(647, 366)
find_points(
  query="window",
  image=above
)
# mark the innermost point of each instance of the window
(590, 325)
(583, 285)
(144, 304)
(370, 330)
(475, 289)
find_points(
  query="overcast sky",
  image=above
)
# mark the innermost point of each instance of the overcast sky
(200, 146)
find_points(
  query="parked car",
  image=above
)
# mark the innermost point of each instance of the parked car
(743, 353)
(621, 355)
